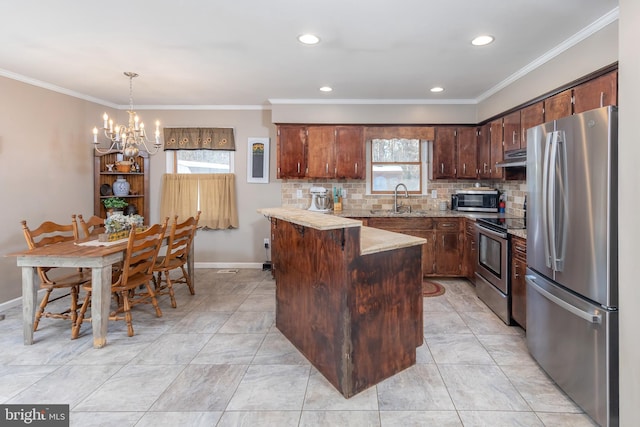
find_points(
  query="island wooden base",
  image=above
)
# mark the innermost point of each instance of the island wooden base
(357, 318)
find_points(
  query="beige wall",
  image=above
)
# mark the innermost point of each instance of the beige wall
(46, 166)
(46, 171)
(593, 53)
(629, 206)
(246, 243)
(375, 114)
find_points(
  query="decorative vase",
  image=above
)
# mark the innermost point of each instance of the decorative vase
(120, 187)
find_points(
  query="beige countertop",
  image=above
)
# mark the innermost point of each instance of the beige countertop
(319, 221)
(372, 240)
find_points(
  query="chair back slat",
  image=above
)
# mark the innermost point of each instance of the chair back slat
(142, 251)
(92, 227)
(47, 234)
(180, 238)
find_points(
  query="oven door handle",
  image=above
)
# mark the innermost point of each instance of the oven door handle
(490, 232)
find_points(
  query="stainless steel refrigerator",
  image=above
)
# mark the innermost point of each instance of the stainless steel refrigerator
(572, 259)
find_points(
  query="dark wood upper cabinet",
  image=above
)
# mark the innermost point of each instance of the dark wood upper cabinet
(530, 116)
(558, 106)
(350, 152)
(321, 151)
(444, 153)
(291, 151)
(511, 131)
(497, 146)
(596, 93)
(484, 152)
(467, 145)
(338, 151)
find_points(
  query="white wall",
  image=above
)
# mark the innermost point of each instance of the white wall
(629, 206)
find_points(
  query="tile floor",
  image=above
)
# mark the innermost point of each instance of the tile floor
(218, 360)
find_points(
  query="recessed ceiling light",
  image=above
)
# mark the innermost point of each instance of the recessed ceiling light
(482, 40)
(308, 39)
(326, 89)
(437, 89)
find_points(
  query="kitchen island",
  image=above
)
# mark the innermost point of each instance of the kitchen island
(348, 297)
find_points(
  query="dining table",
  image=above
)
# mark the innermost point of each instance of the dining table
(87, 253)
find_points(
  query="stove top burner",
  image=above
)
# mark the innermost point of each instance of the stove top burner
(505, 223)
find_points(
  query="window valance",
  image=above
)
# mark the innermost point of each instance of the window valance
(199, 139)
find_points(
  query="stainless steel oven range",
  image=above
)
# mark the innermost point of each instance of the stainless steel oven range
(492, 265)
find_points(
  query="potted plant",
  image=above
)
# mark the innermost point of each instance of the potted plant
(114, 204)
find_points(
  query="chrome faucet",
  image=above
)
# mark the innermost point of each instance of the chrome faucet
(396, 207)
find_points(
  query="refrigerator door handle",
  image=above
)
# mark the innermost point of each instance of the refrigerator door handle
(555, 165)
(589, 317)
(546, 172)
(561, 233)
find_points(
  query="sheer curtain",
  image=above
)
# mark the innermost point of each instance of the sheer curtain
(213, 194)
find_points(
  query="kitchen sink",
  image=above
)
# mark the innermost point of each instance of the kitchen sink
(391, 212)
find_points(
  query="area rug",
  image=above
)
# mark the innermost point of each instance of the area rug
(432, 289)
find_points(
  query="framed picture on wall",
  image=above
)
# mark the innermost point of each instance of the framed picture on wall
(258, 161)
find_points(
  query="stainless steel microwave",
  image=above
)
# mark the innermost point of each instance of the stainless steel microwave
(476, 200)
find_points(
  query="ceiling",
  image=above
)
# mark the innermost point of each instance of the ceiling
(245, 52)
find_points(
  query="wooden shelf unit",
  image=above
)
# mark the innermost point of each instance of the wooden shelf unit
(138, 182)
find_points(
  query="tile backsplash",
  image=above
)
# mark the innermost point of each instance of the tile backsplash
(357, 199)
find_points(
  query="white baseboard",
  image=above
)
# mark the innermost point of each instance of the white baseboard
(227, 265)
(17, 302)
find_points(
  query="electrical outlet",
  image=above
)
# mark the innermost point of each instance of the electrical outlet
(434, 194)
(299, 194)
(266, 243)
(344, 193)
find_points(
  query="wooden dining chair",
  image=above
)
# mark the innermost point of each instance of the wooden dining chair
(137, 270)
(92, 227)
(53, 278)
(180, 240)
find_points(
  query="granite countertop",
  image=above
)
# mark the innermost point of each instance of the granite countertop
(385, 213)
(372, 240)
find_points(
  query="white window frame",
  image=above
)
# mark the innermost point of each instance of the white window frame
(425, 154)
(171, 156)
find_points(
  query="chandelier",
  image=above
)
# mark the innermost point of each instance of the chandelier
(128, 140)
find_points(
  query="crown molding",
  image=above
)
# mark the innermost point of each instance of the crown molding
(588, 31)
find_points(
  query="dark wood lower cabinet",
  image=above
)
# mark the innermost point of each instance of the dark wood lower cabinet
(442, 254)
(518, 284)
(448, 253)
(470, 251)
